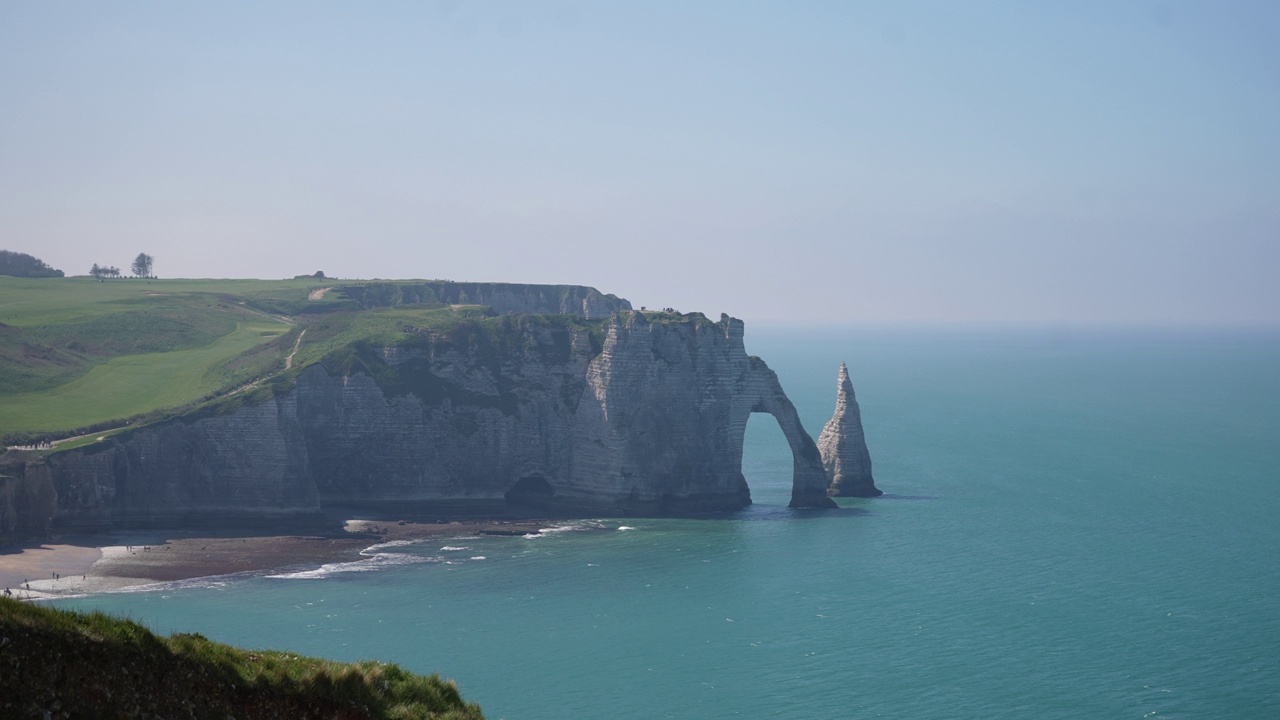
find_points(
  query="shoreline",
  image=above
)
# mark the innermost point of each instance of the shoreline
(132, 559)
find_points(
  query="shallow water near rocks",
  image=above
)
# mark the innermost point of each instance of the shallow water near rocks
(1075, 525)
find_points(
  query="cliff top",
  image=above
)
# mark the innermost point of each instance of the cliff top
(80, 356)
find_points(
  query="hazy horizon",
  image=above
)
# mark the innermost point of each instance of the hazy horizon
(992, 163)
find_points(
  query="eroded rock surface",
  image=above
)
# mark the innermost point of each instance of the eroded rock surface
(28, 500)
(844, 446)
(642, 416)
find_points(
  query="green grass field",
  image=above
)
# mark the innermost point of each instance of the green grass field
(31, 302)
(79, 356)
(135, 384)
(75, 352)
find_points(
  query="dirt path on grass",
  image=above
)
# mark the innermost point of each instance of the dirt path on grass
(318, 294)
(288, 362)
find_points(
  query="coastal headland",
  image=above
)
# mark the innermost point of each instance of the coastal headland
(411, 398)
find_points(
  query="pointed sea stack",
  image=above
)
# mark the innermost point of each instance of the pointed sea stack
(844, 447)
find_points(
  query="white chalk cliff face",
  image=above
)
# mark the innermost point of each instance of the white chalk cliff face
(661, 424)
(844, 446)
(643, 417)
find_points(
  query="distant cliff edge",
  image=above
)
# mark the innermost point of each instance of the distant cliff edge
(592, 407)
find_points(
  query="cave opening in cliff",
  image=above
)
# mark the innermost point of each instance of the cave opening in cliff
(530, 491)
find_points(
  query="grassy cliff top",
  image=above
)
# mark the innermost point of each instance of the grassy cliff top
(77, 352)
(93, 665)
(82, 356)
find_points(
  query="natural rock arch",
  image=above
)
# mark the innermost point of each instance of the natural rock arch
(661, 421)
(760, 392)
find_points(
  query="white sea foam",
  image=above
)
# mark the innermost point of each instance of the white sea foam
(567, 527)
(625, 527)
(450, 548)
(479, 557)
(388, 544)
(373, 560)
(209, 581)
(557, 529)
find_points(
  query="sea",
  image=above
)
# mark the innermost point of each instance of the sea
(1077, 523)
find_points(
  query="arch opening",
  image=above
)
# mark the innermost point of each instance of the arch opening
(767, 461)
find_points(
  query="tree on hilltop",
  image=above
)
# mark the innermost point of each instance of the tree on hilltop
(23, 265)
(102, 271)
(142, 265)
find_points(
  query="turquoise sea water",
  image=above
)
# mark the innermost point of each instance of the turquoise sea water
(1076, 526)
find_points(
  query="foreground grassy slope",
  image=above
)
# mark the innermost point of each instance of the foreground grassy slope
(92, 665)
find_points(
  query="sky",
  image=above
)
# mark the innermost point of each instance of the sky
(1022, 162)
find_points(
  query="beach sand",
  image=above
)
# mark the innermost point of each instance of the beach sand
(131, 559)
(39, 564)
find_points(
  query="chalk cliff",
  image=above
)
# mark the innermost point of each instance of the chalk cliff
(27, 498)
(643, 413)
(844, 446)
(660, 426)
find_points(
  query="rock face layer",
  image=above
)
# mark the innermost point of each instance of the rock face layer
(660, 426)
(28, 499)
(644, 415)
(844, 446)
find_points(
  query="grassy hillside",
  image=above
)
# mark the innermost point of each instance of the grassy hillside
(77, 352)
(79, 356)
(55, 663)
(28, 302)
(132, 385)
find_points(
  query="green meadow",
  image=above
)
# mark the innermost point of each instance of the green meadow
(132, 385)
(84, 357)
(30, 302)
(76, 352)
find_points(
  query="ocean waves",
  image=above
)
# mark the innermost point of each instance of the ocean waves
(375, 557)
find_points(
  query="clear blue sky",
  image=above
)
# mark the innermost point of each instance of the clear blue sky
(1043, 162)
